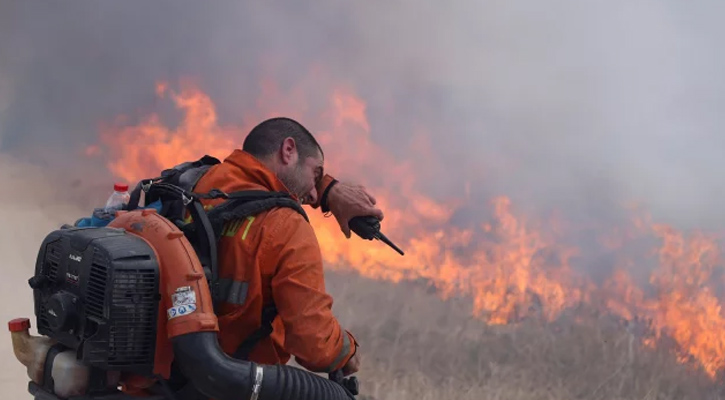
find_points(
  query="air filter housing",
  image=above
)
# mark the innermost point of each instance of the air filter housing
(96, 290)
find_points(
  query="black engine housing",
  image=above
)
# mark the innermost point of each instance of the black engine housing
(96, 290)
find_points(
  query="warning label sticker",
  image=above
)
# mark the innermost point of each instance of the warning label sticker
(180, 311)
(183, 302)
(183, 296)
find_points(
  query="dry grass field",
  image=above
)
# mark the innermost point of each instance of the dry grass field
(414, 345)
(418, 347)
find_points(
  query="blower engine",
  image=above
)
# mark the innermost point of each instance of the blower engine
(97, 291)
(103, 300)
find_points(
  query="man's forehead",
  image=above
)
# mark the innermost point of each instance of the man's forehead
(319, 160)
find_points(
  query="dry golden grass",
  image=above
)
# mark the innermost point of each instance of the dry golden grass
(416, 346)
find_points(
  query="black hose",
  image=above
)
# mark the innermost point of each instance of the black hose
(282, 382)
(221, 377)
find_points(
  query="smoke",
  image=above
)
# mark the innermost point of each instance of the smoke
(568, 104)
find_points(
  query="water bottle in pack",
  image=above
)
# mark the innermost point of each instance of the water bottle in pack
(118, 200)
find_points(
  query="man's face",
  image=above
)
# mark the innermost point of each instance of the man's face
(301, 177)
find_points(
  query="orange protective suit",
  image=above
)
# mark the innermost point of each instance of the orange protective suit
(274, 258)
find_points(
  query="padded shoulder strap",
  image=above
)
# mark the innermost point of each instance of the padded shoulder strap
(243, 204)
(185, 175)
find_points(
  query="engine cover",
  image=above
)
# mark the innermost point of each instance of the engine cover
(96, 290)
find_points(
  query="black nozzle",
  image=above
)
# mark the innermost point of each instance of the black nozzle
(351, 384)
(369, 228)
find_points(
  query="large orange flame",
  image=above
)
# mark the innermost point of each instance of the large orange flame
(509, 266)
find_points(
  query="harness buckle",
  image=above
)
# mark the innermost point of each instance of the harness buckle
(217, 193)
(186, 199)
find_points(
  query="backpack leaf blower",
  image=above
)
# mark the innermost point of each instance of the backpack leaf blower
(117, 305)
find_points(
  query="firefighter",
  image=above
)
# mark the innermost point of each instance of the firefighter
(273, 299)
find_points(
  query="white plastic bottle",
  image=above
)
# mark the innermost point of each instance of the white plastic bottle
(29, 350)
(118, 199)
(70, 376)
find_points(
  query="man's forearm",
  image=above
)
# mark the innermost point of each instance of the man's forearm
(322, 188)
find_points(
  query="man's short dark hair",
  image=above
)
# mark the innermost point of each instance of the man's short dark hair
(267, 137)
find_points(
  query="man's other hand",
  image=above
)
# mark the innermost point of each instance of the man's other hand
(352, 366)
(347, 201)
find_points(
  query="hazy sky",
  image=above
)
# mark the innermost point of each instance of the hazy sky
(578, 104)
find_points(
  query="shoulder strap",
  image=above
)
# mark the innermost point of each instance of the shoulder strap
(243, 204)
(185, 175)
(245, 349)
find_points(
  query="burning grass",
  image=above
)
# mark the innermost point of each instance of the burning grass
(510, 266)
(415, 345)
(423, 348)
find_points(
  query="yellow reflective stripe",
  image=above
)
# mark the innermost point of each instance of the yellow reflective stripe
(246, 230)
(231, 228)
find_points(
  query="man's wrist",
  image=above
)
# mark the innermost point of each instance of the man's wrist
(325, 196)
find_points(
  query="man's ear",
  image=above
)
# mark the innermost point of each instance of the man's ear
(288, 151)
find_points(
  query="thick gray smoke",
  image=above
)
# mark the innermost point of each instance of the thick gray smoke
(579, 105)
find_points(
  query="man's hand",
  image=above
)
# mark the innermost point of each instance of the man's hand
(347, 201)
(352, 366)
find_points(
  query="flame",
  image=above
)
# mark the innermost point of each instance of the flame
(681, 301)
(688, 309)
(510, 266)
(148, 148)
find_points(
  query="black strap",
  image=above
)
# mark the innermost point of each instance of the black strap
(176, 176)
(323, 200)
(244, 195)
(207, 247)
(245, 349)
(135, 196)
(242, 205)
(48, 382)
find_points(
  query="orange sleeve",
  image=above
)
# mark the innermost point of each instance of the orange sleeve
(312, 333)
(321, 187)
